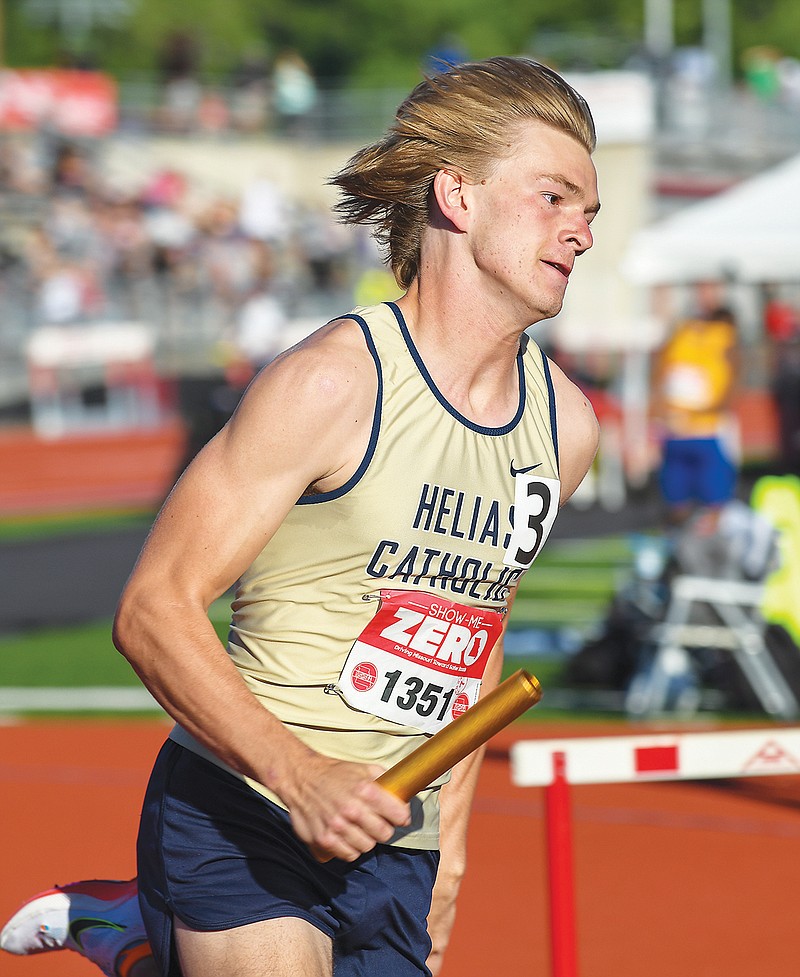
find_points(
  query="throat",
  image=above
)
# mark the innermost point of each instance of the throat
(487, 404)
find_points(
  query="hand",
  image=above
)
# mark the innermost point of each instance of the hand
(338, 810)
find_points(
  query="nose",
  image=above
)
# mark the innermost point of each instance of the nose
(579, 236)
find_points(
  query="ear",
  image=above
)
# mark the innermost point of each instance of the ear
(451, 192)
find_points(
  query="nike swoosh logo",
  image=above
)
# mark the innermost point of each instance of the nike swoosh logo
(522, 471)
(78, 926)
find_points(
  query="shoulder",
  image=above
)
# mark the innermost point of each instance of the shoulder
(572, 404)
(312, 406)
(330, 367)
(578, 431)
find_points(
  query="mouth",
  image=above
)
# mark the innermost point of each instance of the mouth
(561, 268)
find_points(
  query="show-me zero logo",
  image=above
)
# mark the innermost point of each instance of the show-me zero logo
(364, 676)
(439, 635)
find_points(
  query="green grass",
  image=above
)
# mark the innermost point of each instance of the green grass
(572, 583)
(17, 528)
(569, 586)
(71, 657)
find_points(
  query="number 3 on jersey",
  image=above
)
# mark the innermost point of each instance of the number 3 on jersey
(535, 508)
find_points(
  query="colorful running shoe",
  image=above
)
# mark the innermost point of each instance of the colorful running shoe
(99, 919)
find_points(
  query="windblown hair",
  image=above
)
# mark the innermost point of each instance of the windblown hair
(465, 119)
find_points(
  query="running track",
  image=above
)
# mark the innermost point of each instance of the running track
(673, 880)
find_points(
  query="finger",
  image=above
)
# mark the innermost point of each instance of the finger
(347, 843)
(388, 806)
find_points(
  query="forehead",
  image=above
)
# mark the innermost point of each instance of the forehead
(533, 139)
(533, 149)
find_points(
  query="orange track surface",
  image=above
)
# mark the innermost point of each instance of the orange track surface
(684, 879)
(88, 471)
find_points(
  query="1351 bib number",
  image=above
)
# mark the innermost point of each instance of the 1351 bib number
(420, 660)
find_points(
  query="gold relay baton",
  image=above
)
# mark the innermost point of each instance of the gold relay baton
(463, 736)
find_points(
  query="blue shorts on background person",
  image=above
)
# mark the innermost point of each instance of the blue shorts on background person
(696, 470)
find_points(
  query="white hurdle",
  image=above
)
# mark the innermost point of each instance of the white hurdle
(559, 763)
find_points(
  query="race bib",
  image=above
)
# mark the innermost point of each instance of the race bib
(536, 501)
(420, 660)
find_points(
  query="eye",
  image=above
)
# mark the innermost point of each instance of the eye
(551, 198)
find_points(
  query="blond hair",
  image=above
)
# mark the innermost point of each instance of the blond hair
(463, 119)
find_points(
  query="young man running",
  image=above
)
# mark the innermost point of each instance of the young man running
(376, 497)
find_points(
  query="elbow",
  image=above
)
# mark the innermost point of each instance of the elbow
(129, 625)
(122, 627)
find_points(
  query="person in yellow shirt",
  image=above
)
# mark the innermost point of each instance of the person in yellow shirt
(694, 382)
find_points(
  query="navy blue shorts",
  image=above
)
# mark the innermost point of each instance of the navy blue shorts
(216, 854)
(697, 470)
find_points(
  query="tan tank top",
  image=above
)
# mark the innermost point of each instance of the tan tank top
(365, 622)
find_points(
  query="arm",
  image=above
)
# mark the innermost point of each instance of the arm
(304, 421)
(733, 354)
(574, 414)
(455, 805)
(579, 432)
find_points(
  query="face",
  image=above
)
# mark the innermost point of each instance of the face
(529, 220)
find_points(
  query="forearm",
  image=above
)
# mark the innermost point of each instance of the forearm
(456, 802)
(175, 651)
(455, 805)
(335, 806)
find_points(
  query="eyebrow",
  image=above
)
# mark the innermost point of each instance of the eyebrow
(571, 187)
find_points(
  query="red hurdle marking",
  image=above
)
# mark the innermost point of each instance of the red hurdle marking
(561, 883)
(557, 764)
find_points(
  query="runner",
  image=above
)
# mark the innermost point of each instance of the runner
(376, 497)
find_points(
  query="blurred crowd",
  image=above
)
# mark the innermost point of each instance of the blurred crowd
(203, 270)
(260, 93)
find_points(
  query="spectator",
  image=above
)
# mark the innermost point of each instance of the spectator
(178, 64)
(294, 92)
(695, 378)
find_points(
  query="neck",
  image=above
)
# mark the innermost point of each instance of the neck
(470, 355)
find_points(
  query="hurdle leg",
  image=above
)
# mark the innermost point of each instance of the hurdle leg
(563, 953)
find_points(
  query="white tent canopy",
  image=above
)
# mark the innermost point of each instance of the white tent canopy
(750, 233)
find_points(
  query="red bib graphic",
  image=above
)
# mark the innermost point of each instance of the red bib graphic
(420, 660)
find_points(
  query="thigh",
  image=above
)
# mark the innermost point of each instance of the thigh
(216, 856)
(271, 948)
(388, 936)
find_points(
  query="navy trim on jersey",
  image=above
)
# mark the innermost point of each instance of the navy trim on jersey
(551, 396)
(373, 437)
(495, 431)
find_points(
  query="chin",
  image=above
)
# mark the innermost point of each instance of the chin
(546, 313)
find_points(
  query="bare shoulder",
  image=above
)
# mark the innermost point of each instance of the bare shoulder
(314, 403)
(303, 423)
(330, 365)
(578, 431)
(327, 371)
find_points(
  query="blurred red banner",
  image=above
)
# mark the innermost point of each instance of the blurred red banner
(75, 103)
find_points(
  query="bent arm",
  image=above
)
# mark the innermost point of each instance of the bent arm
(299, 424)
(455, 806)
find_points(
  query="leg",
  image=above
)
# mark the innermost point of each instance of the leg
(226, 887)
(225, 884)
(271, 948)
